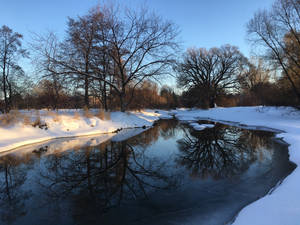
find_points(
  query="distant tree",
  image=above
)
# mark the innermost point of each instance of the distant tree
(208, 73)
(278, 30)
(48, 94)
(10, 52)
(47, 50)
(255, 73)
(255, 83)
(171, 97)
(147, 96)
(193, 97)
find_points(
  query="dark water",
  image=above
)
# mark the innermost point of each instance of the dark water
(169, 174)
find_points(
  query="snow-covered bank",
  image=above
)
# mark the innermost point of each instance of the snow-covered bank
(282, 207)
(70, 123)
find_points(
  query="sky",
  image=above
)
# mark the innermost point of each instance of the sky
(203, 23)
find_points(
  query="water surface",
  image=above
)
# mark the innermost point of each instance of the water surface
(168, 174)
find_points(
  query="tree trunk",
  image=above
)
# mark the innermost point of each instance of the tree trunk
(122, 102)
(212, 97)
(212, 102)
(6, 110)
(56, 98)
(86, 92)
(104, 97)
(10, 100)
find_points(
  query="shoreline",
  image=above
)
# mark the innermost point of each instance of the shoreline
(282, 206)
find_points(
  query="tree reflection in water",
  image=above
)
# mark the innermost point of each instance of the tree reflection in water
(101, 177)
(12, 196)
(149, 174)
(221, 151)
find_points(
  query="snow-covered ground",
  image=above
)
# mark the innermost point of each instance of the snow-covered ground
(69, 123)
(282, 207)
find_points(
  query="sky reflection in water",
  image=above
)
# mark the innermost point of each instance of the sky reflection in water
(169, 174)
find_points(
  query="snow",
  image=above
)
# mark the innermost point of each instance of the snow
(280, 207)
(66, 124)
(60, 145)
(56, 146)
(198, 126)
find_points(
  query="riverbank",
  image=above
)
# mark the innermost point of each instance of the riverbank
(281, 207)
(43, 125)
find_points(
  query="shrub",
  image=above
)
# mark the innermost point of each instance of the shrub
(26, 120)
(37, 122)
(101, 114)
(87, 113)
(55, 116)
(76, 116)
(12, 117)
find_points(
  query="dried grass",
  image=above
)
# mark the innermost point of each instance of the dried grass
(9, 118)
(87, 113)
(101, 114)
(55, 116)
(26, 120)
(76, 116)
(37, 122)
(15, 116)
(37, 113)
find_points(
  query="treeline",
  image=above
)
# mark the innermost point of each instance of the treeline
(224, 76)
(113, 58)
(107, 56)
(44, 95)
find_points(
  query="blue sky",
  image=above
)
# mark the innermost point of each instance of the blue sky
(203, 23)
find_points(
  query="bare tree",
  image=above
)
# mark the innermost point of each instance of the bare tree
(212, 71)
(274, 29)
(143, 46)
(102, 64)
(10, 51)
(117, 47)
(73, 59)
(80, 46)
(16, 83)
(47, 51)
